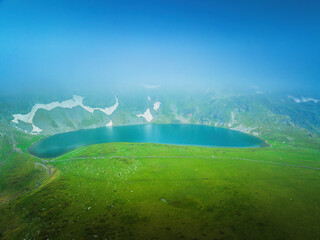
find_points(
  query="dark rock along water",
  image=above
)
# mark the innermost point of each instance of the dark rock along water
(177, 134)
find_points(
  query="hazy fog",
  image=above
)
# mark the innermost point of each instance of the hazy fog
(110, 44)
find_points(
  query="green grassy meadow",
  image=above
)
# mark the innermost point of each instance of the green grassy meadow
(153, 191)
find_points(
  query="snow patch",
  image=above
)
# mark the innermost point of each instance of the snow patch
(35, 129)
(109, 124)
(71, 103)
(147, 115)
(304, 99)
(310, 100)
(156, 106)
(107, 111)
(243, 129)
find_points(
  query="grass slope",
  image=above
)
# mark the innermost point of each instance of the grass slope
(19, 171)
(152, 191)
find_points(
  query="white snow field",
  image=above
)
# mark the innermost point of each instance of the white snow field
(156, 106)
(303, 99)
(147, 115)
(71, 103)
(109, 124)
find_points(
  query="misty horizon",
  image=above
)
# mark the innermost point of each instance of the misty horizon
(271, 45)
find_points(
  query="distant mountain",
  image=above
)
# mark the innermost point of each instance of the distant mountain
(278, 118)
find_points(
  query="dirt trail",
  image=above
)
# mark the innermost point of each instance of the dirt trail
(44, 166)
(207, 157)
(48, 168)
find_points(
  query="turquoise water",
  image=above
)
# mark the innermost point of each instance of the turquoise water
(195, 135)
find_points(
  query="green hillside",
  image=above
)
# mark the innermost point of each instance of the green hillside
(153, 191)
(150, 191)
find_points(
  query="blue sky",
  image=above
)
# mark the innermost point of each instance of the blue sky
(273, 44)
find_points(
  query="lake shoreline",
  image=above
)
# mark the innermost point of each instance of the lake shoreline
(171, 134)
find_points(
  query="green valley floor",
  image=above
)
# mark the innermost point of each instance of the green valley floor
(152, 191)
